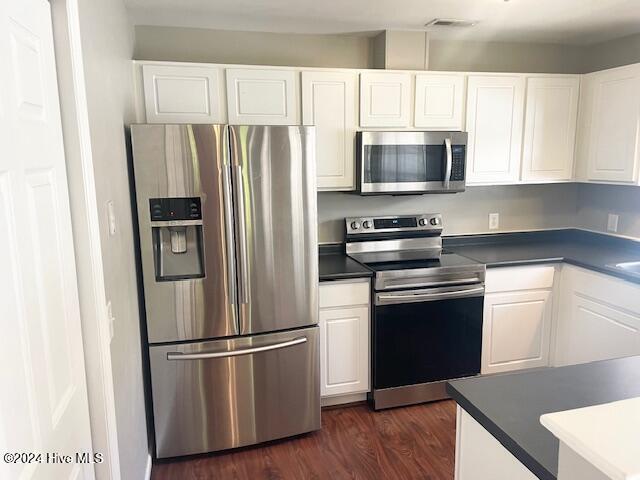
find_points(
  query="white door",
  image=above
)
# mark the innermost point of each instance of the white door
(439, 101)
(329, 101)
(614, 153)
(516, 330)
(344, 350)
(43, 399)
(385, 99)
(550, 128)
(183, 94)
(262, 97)
(495, 109)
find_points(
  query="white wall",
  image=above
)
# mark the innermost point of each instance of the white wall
(521, 207)
(614, 53)
(595, 202)
(107, 45)
(252, 48)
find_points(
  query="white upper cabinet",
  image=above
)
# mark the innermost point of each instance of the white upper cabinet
(439, 101)
(550, 128)
(385, 99)
(262, 97)
(330, 102)
(183, 94)
(495, 111)
(615, 119)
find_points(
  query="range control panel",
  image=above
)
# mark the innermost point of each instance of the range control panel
(406, 223)
(174, 209)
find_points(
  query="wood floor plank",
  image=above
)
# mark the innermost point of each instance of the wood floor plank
(416, 442)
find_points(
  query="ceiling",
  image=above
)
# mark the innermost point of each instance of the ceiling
(575, 22)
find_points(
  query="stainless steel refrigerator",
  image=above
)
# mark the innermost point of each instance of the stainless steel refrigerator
(228, 246)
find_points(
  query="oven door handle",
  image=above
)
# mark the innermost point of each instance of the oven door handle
(449, 165)
(391, 298)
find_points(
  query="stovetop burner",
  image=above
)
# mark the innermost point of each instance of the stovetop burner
(409, 254)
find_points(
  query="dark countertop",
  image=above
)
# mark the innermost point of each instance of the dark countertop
(509, 406)
(582, 248)
(333, 264)
(577, 247)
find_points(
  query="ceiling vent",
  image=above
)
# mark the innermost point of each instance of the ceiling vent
(450, 22)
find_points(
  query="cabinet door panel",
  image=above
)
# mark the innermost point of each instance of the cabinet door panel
(262, 97)
(344, 350)
(329, 103)
(439, 101)
(516, 331)
(495, 108)
(615, 123)
(550, 128)
(599, 332)
(183, 94)
(385, 99)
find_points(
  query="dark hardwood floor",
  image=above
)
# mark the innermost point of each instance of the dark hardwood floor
(415, 442)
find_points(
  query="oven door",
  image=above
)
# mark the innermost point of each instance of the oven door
(411, 162)
(425, 336)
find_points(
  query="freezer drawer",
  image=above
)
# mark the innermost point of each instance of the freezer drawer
(221, 394)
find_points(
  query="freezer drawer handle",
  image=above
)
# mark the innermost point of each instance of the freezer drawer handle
(235, 353)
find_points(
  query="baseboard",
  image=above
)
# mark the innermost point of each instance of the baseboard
(147, 473)
(343, 399)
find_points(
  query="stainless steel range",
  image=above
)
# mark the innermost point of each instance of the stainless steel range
(428, 307)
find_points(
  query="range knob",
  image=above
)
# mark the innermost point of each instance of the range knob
(366, 224)
(355, 225)
(435, 221)
(422, 222)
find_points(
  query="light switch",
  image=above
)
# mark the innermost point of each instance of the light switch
(612, 222)
(494, 221)
(111, 215)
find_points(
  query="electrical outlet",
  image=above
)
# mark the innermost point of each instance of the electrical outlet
(111, 320)
(494, 221)
(612, 222)
(111, 214)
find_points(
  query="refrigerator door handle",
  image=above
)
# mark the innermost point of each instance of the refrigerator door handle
(228, 221)
(235, 353)
(242, 234)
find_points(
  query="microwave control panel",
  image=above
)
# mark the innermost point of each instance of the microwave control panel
(457, 164)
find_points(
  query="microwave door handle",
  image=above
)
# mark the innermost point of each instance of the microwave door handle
(449, 164)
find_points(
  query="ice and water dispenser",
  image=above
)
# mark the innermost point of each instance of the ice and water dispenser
(176, 225)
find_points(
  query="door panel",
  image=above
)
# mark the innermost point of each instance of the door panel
(344, 354)
(439, 101)
(178, 161)
(329, 103)
(385, 99)
(43, 399)
(183, 94)
(615, 126)
(204, 405)
(274, 182)
(495, 107)
(516, 330)
(550, 128)
(262, 97)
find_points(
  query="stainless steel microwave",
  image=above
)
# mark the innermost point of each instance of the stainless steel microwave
(396, 163)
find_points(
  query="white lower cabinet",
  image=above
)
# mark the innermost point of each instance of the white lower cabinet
(598, 318)
(517, 318)
(344, 338)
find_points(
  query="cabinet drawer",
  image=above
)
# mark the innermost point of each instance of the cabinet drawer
(342, 294)
(508, 279)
